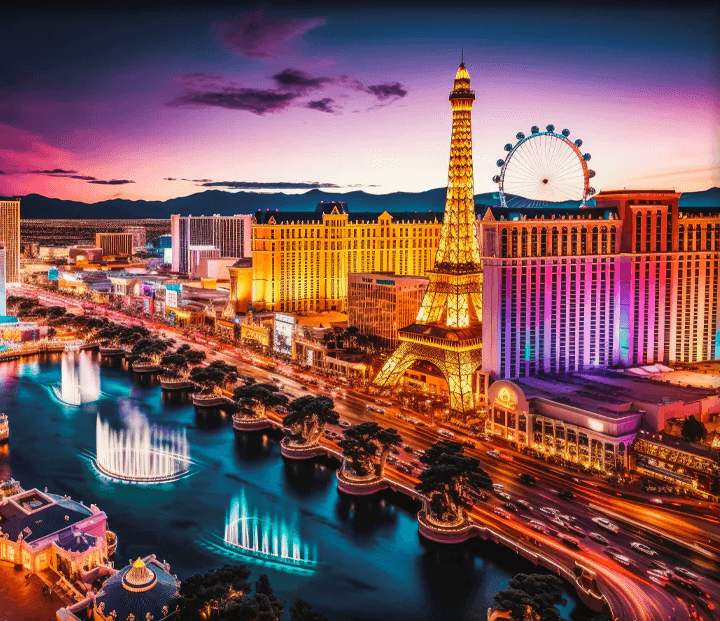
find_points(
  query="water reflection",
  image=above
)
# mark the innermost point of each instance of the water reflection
(256, 445)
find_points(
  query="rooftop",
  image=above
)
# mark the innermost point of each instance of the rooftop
(608, 392)
(39, 515)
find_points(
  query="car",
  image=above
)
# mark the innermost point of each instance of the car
(403, 467)
(528, 479)
(621, 559)
(549, 511)
(303, 387)
(559, 523)
(569, 541)
(524, 504)
(483, 438)
(391, 459)
(658, 564)
(686, 573)
(445, 433)
(401, 417)
(503, 495)
(394, 450)
(501, 512)
(538, 526)
(468, 443)
(566, 494)
(641, 547)
(606, 524)
(510, 507)
(498, 487)
(344, 424)
(568, 518)
(659, 573)
(599, 538)
(409, 449)
(656, 501)
(493, 454)
(576, 530)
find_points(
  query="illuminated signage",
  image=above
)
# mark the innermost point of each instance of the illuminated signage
(171, 298)
(53, 273)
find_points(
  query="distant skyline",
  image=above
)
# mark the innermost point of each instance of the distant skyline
(164, 103)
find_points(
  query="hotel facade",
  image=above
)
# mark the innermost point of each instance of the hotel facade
(228, 234)
(10, 235)
(301, 260)
(633, 281)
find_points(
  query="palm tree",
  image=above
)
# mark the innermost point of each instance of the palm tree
(532, 597)
(308, 416)
(253, 399)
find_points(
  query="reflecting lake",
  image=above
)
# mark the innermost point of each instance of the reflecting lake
(371, 563)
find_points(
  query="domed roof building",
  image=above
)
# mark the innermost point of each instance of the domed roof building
(141, 591)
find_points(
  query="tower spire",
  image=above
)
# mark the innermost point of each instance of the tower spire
(447, 331)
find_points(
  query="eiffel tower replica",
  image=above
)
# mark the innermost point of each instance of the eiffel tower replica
(447, 331)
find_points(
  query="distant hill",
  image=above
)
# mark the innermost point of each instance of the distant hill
(35, 206)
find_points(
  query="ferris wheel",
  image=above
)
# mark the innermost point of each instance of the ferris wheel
(543, 168)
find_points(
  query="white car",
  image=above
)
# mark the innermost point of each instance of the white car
(498, 487)
(549, 511)
(344, 424)
(606, 524)
(538, 526)
(641, 547)
(445, 433)
(493, 454)
(599, 538)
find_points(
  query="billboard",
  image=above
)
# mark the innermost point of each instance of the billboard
(171, 298)
(53, 273)
(283, 333)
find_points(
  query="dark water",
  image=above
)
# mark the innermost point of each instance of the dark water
(373, 565)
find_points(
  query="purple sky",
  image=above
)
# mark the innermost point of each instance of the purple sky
(98, 105)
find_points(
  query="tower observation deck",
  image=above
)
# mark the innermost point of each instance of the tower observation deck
(447, 331)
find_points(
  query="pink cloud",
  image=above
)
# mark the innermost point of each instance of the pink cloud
(21, 150)
(258, 34)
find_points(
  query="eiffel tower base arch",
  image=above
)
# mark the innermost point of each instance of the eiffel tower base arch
(456, 366)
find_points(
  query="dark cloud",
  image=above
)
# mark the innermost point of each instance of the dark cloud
(111, 182)
(387, 90)
(81, 177)
(269, 185)
(323, 105)
(258, 34)
(294, 79)
(56, 171)
(257, 101)
(209, 89)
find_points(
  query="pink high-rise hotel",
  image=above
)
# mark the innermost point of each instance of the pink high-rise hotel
(632, 281)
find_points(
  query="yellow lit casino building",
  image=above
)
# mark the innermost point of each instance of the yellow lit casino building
(301, 260)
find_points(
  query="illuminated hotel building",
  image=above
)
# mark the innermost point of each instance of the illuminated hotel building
(3, 307)
(115, 244)
(229, 234)
(632, 281)
(380, 304)
(10, 235)
(301, 260)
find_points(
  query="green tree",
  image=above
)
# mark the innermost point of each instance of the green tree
(253, 398)
(307, 417)
(363, 443)
(447, 476)
(532, 597)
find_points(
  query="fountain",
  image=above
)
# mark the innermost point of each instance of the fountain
(141, 453)
(79, 378)
(265, 538)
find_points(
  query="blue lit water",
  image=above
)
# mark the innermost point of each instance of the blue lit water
(372, 564)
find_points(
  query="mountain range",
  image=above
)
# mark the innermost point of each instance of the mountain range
(35, 206)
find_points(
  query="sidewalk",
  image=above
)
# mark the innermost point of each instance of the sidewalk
(23, 600)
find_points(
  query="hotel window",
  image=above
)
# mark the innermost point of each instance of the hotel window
(595, 240)
(638, 231)
(681, 238)
(554, 249)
